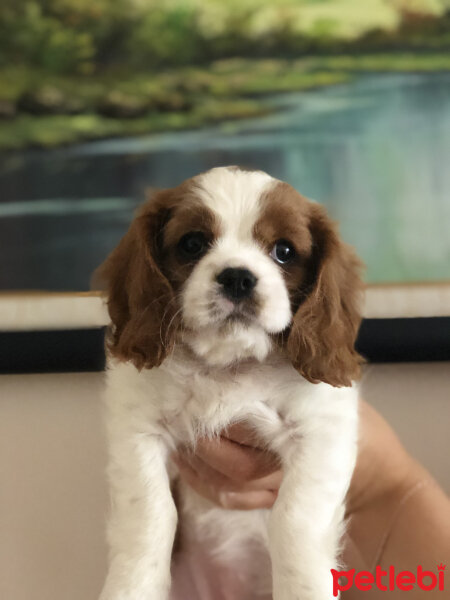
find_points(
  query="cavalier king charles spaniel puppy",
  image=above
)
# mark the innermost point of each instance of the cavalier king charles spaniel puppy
(232, 299)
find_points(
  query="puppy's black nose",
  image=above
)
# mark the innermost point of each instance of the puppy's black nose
(237, 284)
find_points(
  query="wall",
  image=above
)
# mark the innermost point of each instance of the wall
(53, 498)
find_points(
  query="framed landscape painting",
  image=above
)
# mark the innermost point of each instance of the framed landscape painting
(101, 101)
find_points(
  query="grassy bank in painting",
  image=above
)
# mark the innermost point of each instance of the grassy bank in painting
(67, 109)
(76, 70)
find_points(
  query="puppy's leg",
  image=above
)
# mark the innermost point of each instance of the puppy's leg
(306, 523)
(143, 519)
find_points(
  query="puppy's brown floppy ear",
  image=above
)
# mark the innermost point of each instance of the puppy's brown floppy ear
(140, 298)
(322, 336)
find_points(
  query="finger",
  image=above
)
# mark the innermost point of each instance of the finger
(242, 434)
(238, 462)
(217, 479)
(189, 475)
(226, 499)
(205, 472)
(247, 500)
(270, 482)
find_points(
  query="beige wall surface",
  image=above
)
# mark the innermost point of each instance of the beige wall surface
(53, 497)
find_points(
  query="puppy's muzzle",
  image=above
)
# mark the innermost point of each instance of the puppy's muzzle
(236, 284)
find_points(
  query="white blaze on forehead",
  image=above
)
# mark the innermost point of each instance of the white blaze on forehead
(235, 198)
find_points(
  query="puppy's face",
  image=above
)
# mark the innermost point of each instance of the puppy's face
(229, 263)
(235, 264)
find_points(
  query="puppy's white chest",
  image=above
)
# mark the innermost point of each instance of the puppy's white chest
(201, 404)
(181, 401)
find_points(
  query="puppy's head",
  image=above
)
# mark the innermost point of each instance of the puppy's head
(235, 264)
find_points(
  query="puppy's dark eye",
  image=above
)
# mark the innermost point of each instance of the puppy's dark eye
(283, 252)
(193, 245)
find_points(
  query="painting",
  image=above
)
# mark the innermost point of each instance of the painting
(101, 100)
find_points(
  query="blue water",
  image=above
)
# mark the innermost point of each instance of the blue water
(375, 151)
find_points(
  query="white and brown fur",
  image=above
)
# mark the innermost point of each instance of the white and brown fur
(186, 362)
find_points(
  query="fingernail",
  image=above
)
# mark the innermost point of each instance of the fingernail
(228, 499)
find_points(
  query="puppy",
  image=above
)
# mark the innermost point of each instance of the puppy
(232, 299)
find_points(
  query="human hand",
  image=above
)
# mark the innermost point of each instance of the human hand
(236, 473)
(398, 514)
(232, 471)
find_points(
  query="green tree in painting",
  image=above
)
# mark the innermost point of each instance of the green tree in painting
(82, 69)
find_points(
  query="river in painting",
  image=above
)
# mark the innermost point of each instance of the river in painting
(375, 152)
